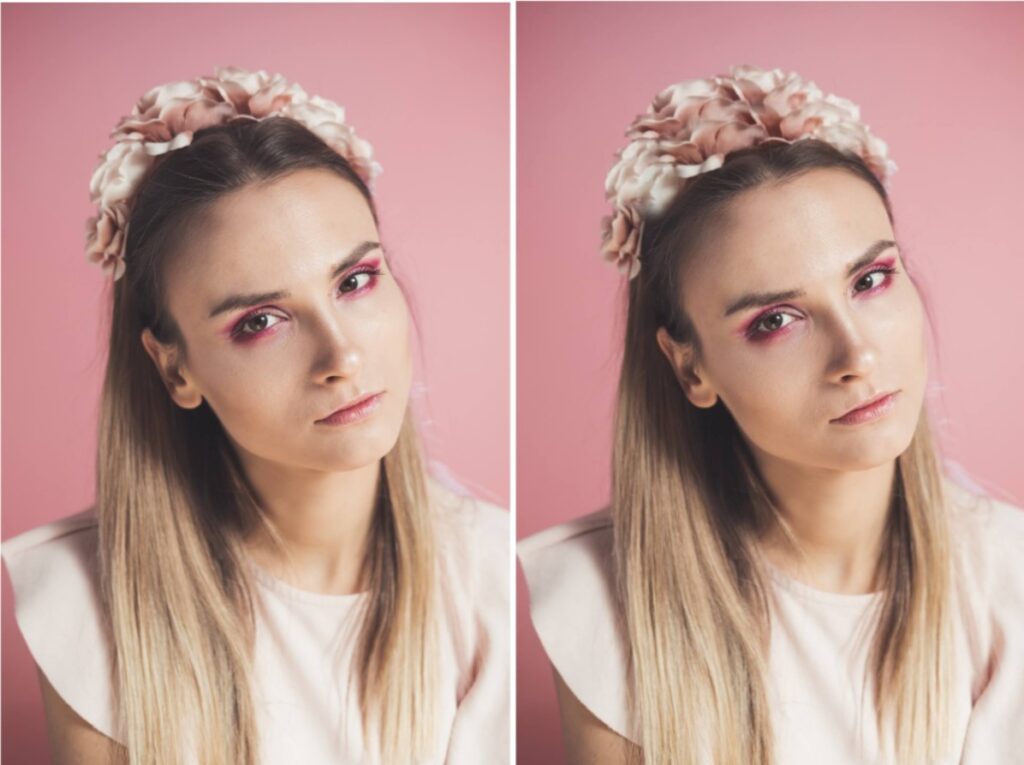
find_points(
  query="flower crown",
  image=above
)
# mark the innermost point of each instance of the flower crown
(690, 127)
(166, 118)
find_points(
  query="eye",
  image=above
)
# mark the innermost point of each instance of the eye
(772, 322)
(257, 323)
(872, 283)
(357, 280)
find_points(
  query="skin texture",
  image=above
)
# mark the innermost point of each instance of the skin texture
(845, 341)
(321, 347)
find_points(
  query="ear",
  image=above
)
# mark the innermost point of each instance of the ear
(181, 388)
(681, 358)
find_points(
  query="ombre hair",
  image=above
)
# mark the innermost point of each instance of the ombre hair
(174, 505)
(689, 504)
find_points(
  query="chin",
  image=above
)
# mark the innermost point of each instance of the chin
(348, 464)
(873, 448)
(340, 460)
(358, 452)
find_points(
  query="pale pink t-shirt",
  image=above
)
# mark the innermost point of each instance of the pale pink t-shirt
(302, 649)
(822, 710)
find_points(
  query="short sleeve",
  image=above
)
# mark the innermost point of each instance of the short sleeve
(569, 574)
(994, 732)
(480, 731)
(54, 573)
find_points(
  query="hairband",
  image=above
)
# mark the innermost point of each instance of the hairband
(166, 118)
(690, 127)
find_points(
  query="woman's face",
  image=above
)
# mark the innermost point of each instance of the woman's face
(290, 313)
(801, 321)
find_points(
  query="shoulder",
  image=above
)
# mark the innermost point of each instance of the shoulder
(988, 544)
(474, 549)
(54, 571)
(570, 575)
(471, 532)
(581, 543)
(571, 563)
(63, 535)
(989, 535)
(473, 546)
(54, 563)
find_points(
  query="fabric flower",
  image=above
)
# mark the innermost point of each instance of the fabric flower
(167, 117)
(116, 177)
(691, 126)
(622, 233)
(327, 120)
(105, 236)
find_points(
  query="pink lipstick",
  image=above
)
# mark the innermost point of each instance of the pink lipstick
(358, 410)
(872, 410)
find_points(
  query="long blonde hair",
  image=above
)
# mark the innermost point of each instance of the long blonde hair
(174, 505)
(689, 503)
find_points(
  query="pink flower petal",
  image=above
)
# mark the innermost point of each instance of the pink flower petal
(166, 118)
(690, 127)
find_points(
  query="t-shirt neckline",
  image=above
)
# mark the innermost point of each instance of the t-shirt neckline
(291, 592)
(806, 592)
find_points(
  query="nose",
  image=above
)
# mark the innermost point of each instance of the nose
(854, 355)
(336, 355)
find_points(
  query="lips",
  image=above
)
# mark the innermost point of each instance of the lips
(353, 410)
(868, 407)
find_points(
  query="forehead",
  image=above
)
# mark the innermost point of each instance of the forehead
(787, 235)
(267, 235)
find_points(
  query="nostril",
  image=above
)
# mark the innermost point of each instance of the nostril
(338, 362)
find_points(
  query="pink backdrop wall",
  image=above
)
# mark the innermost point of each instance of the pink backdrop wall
(426, 84)
(936, 81)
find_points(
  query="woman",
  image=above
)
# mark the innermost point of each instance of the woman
(785, 574)
(268, 574)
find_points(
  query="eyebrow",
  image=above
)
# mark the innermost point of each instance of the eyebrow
(248, 300)
(759, 299)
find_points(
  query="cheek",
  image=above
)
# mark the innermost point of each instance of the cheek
(917, 325)
(903, 336)
(247, 400)
(230, 380)
(766, 394)
(391, 346)
(912, 355)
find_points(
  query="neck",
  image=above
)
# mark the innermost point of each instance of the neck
(323, 520)
(837, 517)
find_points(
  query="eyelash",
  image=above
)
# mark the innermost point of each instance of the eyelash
(238, 332)
(756, 335)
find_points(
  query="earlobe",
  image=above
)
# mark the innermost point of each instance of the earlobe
(680, 358)
(165, 357)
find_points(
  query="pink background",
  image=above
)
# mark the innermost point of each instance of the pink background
(426, 84)
(938, 82)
